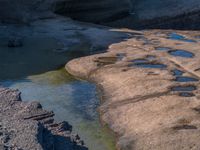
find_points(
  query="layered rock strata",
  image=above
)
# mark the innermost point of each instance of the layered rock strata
(26, 126)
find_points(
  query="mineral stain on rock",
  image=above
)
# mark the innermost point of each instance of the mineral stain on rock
(185, 127)
(103, 61)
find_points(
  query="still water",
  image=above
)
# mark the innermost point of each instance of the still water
(34, 70)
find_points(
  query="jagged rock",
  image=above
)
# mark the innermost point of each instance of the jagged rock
(26, 126)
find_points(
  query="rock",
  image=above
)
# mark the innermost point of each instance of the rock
(179, 14)
(94, 11)
(64, 126)
(24, 11)
(143, 102)
(15, 42)
(25, 126)
(168, 14)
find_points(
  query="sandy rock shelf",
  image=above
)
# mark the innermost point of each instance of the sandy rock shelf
(150, 87)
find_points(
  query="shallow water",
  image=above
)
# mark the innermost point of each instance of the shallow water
(186, 94)
(181, 53)
(175, 36)
(184, 88)
(32, 70)
(186, 79)
(163, 48)
(149, 65)
(177, 72)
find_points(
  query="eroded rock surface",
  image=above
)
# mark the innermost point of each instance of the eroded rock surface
(26, 126)
(150, 89)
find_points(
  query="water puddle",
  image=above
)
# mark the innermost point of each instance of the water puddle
(145, 63)
(141, 60)
(197, 36)
(186, 79)
(32, 70)
(175, 36)
(183, 88)
(181, 53)
(177, 72)
(186, 94)
(163, 48)
(151, 65)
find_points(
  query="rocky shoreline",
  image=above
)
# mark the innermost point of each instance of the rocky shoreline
(149, 79)
(25, 125)
(150, 89)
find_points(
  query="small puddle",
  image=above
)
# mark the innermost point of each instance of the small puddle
(183, 88)
(181, 53)
(163, 48)
(138, 61)
(149, 62)
(177, 72)
(151, 65)
(175, 36)
(186, 94)
(186, 79)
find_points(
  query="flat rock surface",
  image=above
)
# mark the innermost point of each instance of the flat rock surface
(150, 89)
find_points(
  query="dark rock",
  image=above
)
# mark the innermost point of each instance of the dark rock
(94, 11)
(15, 42)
